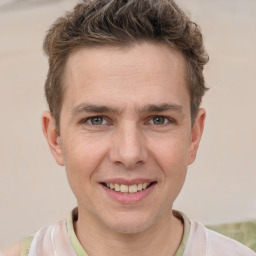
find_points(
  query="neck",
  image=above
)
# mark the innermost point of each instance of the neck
(163, 238)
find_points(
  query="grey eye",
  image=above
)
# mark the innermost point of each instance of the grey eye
(96, 120)
(159, 120)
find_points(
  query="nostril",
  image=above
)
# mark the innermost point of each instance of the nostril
(129, 164)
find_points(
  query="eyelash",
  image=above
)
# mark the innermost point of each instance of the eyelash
(150, 120)
(167, 120)
(91, 117)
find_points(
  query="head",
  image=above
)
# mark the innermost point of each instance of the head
(124, 87)
(123, 23)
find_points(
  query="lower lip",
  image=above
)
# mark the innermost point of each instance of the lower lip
(129, 198)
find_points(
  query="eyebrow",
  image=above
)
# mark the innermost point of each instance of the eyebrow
(161, 108)
(101, 109)
(91, 108)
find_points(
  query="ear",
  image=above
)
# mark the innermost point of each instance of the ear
(196, 134)
(52, 137)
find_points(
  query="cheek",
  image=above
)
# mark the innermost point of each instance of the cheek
(83, 153)
(172, 151)
(172, 157)
(81, 161)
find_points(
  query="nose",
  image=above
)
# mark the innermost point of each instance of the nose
(128, 147)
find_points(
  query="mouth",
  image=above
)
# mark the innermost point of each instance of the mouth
(128, 189)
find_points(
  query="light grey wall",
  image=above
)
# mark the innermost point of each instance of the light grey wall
(220, 186)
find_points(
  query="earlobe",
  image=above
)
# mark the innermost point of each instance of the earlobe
(196, 134)
(52, 137)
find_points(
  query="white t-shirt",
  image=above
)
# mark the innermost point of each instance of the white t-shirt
(61, 240)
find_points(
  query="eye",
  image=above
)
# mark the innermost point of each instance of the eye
(159, 120)
(96, 120)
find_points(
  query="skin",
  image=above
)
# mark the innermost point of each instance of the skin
(14, 250)
(143, 131)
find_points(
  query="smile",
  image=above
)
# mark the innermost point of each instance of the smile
(122, 188)
(128, 191)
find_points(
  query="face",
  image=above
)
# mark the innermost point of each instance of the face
(125, 133)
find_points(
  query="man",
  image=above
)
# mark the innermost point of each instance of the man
(124, 89)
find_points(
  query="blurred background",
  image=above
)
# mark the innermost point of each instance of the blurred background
(221, 184)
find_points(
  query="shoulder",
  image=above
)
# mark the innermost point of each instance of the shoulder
(19, 249)
(14, 250)
(218, 244)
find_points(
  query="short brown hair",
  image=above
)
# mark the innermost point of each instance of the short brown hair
(123, 23)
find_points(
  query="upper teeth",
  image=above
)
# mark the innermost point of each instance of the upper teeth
(125, 188)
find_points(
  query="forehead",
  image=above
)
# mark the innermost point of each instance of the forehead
(142, 72)
(145, 57)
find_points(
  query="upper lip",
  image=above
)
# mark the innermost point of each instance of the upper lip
(127, 181)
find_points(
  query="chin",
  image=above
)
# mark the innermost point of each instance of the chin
(129, 224)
